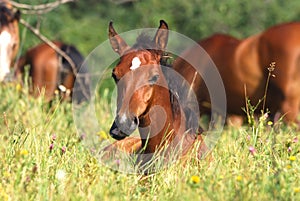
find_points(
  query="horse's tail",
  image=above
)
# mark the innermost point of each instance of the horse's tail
(81, 88)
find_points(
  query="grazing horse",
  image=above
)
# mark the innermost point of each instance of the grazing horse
(51, 71)
(9, 37)
(145, 102)
(244, 68)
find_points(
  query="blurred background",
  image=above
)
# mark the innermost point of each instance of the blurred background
(84, 22)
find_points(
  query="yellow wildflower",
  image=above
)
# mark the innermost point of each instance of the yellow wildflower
(270, 123)
(6, 174)
(292, 158)
(297, 190)
(288, 166)
(195, 179)
(18, 87)
(3, 194)
(239, 178)
(24, 152)
(102, 135)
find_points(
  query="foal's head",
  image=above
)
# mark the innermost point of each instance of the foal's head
(137, 75)
(9, 37)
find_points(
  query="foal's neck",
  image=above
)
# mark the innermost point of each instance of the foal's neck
(160, 124)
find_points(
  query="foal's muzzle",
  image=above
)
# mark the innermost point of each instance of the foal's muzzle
(123, 127)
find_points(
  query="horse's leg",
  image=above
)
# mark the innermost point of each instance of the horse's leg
(68, 82)
(288, 80)
(198, 147)
(290, 108)
(129, 145)
(235, 120)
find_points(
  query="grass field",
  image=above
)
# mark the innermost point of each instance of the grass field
(42, 158)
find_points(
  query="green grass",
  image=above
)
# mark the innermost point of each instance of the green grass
(31, 170)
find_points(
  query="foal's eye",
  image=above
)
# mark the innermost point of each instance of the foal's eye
(153, 79)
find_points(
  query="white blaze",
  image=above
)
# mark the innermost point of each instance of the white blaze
(136, 62)
(5, 40)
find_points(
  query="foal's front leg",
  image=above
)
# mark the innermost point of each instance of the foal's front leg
(129, 145)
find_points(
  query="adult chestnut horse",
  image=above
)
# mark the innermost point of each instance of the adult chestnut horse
(243, 64)
(146, 103)
(9, 37)
(50, 71)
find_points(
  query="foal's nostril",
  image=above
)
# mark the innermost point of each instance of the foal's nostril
(136, 120)
(124, 125)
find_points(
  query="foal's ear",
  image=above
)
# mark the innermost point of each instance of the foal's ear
(161, 36)
(117, 43)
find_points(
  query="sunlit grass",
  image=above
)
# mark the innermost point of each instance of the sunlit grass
(43, 158)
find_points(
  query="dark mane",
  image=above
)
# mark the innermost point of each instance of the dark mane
(143, 41)
(180, 98)
(81, 88)
(74, 54)
(6, 15)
